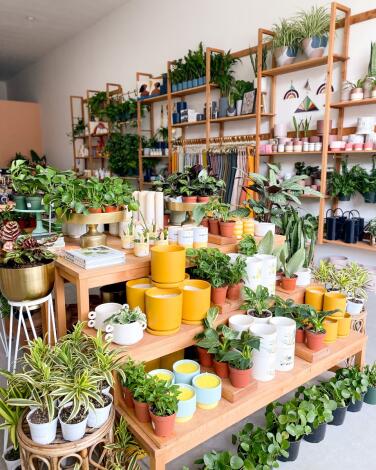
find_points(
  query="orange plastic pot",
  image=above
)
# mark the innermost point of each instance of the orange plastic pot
(240, 378)
(203, 198)
(189, 199)
(167, 263)
(221, 369)
(227, 229)
(288, 283)
(205, 222)
(163, 425)
(95, 210)
(214, 226)
(218, 295)
(315, 341)
(111, 209)
(204, 357)
(128, 397)
(314, 296)
(300, 335)
(141, 410)
(234, 291)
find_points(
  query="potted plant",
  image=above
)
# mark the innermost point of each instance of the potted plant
(291, 264)
(257, 303)
(254, 64)
(320, 407)
(337, 390)
(208, 185)
(128, 325)
(315, 330)
(370, 396)
(222, 75)
(141, 246)
(142, 392)
(358, 280)
(357, 90)
(236, 277)
(247, 246)
(239, 88)
(297, 312)
(292, 418)
(239, 359)
(19, 173)
(206, 358)
(24, 260)
(285, 42)
(133, 373)
(163, 408)
(357, 383)
(370, 229)
(313, 30)
(214, 460)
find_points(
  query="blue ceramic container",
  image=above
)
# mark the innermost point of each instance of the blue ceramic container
(186, 408)
(185, 377)
(207, 397)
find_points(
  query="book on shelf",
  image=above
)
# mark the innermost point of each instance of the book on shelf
(95, 257)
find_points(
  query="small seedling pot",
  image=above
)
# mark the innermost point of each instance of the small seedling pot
(234, 291)
(240, 378)
(227, 229)
(128, 397)
(221, 369)
(43, 433)
(163, 374)
(354, 306)
(163, 426)
(97, 417)
(218, 295)
(317, 435)
(73, 432)
(11, 464)
(289, 283)
(356, 406)
(300, 335)
(208, 389)
(315, 341)
(214, 226)
(141, 410)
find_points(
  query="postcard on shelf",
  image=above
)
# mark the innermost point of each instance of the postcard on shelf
(95, 257)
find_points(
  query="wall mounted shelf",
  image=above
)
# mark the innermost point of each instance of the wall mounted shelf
(302, 65)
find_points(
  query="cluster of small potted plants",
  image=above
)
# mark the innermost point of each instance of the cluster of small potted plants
(305, 416)
(190, 71)
(68, 383)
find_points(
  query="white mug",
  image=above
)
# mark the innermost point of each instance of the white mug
(128, 334)
(101, 313)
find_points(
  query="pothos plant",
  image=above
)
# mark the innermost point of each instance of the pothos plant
(292, 417)
(211, 265)
(356, 380)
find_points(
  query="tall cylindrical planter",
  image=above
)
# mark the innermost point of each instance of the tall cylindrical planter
(286, 330)
(167, 264)
(223, 105)
(333, 301)
(135, 291)
(240, 323)
(331, 329)
(253, 272)
(268, 271)
(264, 360)
(196, 301)
(239, 104)
(344, 326)
(163, 310)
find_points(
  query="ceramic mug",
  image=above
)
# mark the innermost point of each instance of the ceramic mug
(101, 313)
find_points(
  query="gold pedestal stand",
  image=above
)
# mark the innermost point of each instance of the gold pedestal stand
(184, 207)
(92, 237)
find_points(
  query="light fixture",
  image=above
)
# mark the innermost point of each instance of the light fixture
(30, 18)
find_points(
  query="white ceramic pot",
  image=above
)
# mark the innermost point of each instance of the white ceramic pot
(125, 335)
(262, 228)
(354, 308)
(240, 323)
(97, 417)
(102, 312)
(314, 47)
(239, 104)
(72, 432)
(75, 230)
(268, 271)
(366, 125)
(114, 229)
(304, 277)
(11, 464)
(264, 84)
(280, 130)
(285, 55)
(141, 249)
(254, 272)
(286, 329)
(44, 433)
(259, 320)
(264, 360)
(185, 238)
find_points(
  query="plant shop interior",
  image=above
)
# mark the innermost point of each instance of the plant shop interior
(187, 235)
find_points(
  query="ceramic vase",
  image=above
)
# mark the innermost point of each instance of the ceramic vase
(264, 360)
(286, 331)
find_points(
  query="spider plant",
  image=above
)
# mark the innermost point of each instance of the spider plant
(314, 22)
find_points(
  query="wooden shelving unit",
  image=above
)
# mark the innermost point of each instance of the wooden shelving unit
(350, 104)
(360, 245)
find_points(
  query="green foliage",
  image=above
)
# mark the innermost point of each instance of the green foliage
(318, 405)
(222, 72)
(356, 381)
(240, 354)
(210, 265)
(209, 328)
(144, 387)
(133, 372)
(343, 183)
(239, 88)
(218, 342)
(292, 263)
(237, 271)
(314, 22)
(316, 320)
(96, 104)
(372, 61)
(370, 372)
(258, 301)
(301, 313)
(191, 66)
(247, 246)
(26, 251)
(286, 34)
(123, 151)
(126, 315)
(337, 390)
(164, 398)
(292, 417)
(254, 60)
(224, 460)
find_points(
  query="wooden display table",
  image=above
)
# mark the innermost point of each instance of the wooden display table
(207, 423)
(85, 279)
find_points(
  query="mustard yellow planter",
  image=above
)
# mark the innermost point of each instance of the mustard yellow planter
(344, 326)
(196, 301)
(333, 301)
(248, 227)
(238, 229)
(171, 285)
(135, 290)
(168, 361)
(331, 328)
(154, 364)
(314, 296)
(163, 310)
(167, 264)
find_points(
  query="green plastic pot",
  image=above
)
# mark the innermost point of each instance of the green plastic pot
(20, 202)
(369, 197)
(34, 203)
(370, 396)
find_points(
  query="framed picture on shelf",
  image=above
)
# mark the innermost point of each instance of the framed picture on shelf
(249, 102)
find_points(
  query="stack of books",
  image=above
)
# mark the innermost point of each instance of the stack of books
(95, 257)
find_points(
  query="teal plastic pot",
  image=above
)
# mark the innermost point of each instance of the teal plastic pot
(208, 389)
(370, 396)
(186, 403)
(20, 202)
(185, 370)
(34, 203)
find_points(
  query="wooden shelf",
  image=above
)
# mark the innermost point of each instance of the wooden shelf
(153, 99)
(192, 91)
(187, 124)
(312, 196)
(330, 152)
(207, 423)
(352, 152)
(154, 156)
(302, 65)
(288, 154)
(350, 104)
(239, 118)
(360, 245)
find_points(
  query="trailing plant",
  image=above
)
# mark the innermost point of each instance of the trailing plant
(123, 153)
(356, 381)
(126, 315)
(258, 301)
(96, 104)
(247, 246)
(240, 354)
(318, 403)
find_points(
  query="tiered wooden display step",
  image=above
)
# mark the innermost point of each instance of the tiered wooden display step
(302, 351)
(230, 306)
(297, 295)
(219, 240)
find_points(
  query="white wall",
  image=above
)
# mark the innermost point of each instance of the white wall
(3, 90)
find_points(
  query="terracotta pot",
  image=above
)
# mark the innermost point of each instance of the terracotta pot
(233, 292)
(95, 210)
(204, 357)
(218, 295)
(300, 335)
(111, 209)
(205, 222)
(240, 378)
(221, 369)
(288, 283)
(128, 397)
(189, 199)
(141, 410)
(202, 198)
(163, 425)
(227, 229)
(166, 220)
(214, 226)
(315, 341)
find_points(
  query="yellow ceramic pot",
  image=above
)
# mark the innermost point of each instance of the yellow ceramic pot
(167, 264)
(333, 301)
(314, 296)
(248, 227)
(196, 301)
(331, 328)
(171, 285)
(238, 229)
(136, 292)
(161, 242)
(154, 364)
(168, 361)
(163, 310)
(344, 326)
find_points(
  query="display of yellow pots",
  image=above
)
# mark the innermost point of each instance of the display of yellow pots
(154, 364)
(314, 296)
(168, 361)
(344, 326)
(163, 310)
(167, 264)
(248, 227)
(196, 301)
(238, 229)
(135, 290)
(171, 285)
(331, 328)
(333, 301)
